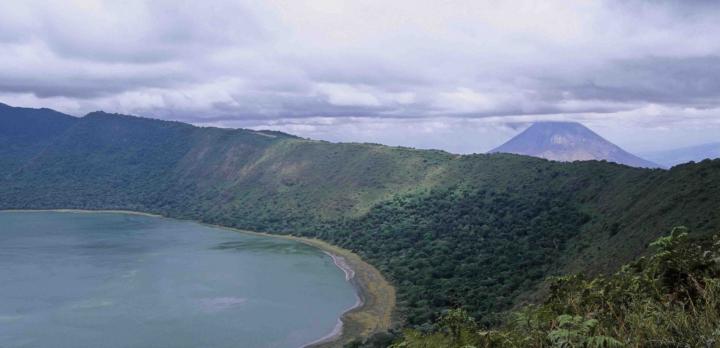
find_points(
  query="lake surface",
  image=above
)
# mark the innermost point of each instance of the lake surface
(120, 280)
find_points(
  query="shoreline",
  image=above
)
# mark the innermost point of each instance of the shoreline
(372, 312)
(86, 211)
(337, 331)
(376, 296)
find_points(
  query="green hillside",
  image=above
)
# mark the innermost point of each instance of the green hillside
(670, 299)
(25, 132)
(480, 232)
(481, 243)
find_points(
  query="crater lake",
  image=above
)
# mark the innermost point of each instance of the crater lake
(70, 279)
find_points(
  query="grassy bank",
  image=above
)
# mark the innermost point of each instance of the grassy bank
(377, 295)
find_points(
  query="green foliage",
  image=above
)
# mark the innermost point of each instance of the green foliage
(474, 231)
(377, 340)
(26, 132)
(576, 331)
(463, 246)
(671, 299)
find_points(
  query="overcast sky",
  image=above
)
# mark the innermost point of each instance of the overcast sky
(457, 75)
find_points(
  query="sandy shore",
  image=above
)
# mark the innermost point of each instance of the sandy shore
(374, 309)
(336, 333)
(375, 305)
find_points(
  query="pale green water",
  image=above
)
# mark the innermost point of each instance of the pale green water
(118, 280)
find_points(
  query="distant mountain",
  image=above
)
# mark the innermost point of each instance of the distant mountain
(568, 142)
(695, 153)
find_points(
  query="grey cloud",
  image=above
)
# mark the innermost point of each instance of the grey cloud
(239, 62)
(83, 87)
(690, 81)
(157, 31)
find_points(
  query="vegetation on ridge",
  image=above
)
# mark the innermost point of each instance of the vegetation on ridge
(670, 299)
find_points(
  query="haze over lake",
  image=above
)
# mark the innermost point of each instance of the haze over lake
(119, 280)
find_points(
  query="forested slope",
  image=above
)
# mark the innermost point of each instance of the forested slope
(669, 299)
(25, 132)
(474, 231)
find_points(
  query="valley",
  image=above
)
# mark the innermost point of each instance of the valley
(478, 231)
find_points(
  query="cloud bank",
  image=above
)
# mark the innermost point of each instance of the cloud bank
(458, 75)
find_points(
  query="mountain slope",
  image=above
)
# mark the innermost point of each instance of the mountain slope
(474, 231)
(25, 132)
(567, 142)
(668, 299)
(696, 153)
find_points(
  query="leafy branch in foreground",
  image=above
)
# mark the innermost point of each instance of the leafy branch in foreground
(670, 299)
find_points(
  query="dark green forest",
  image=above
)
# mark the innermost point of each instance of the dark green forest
(479, 232)
(668, 299)
(463, 247)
